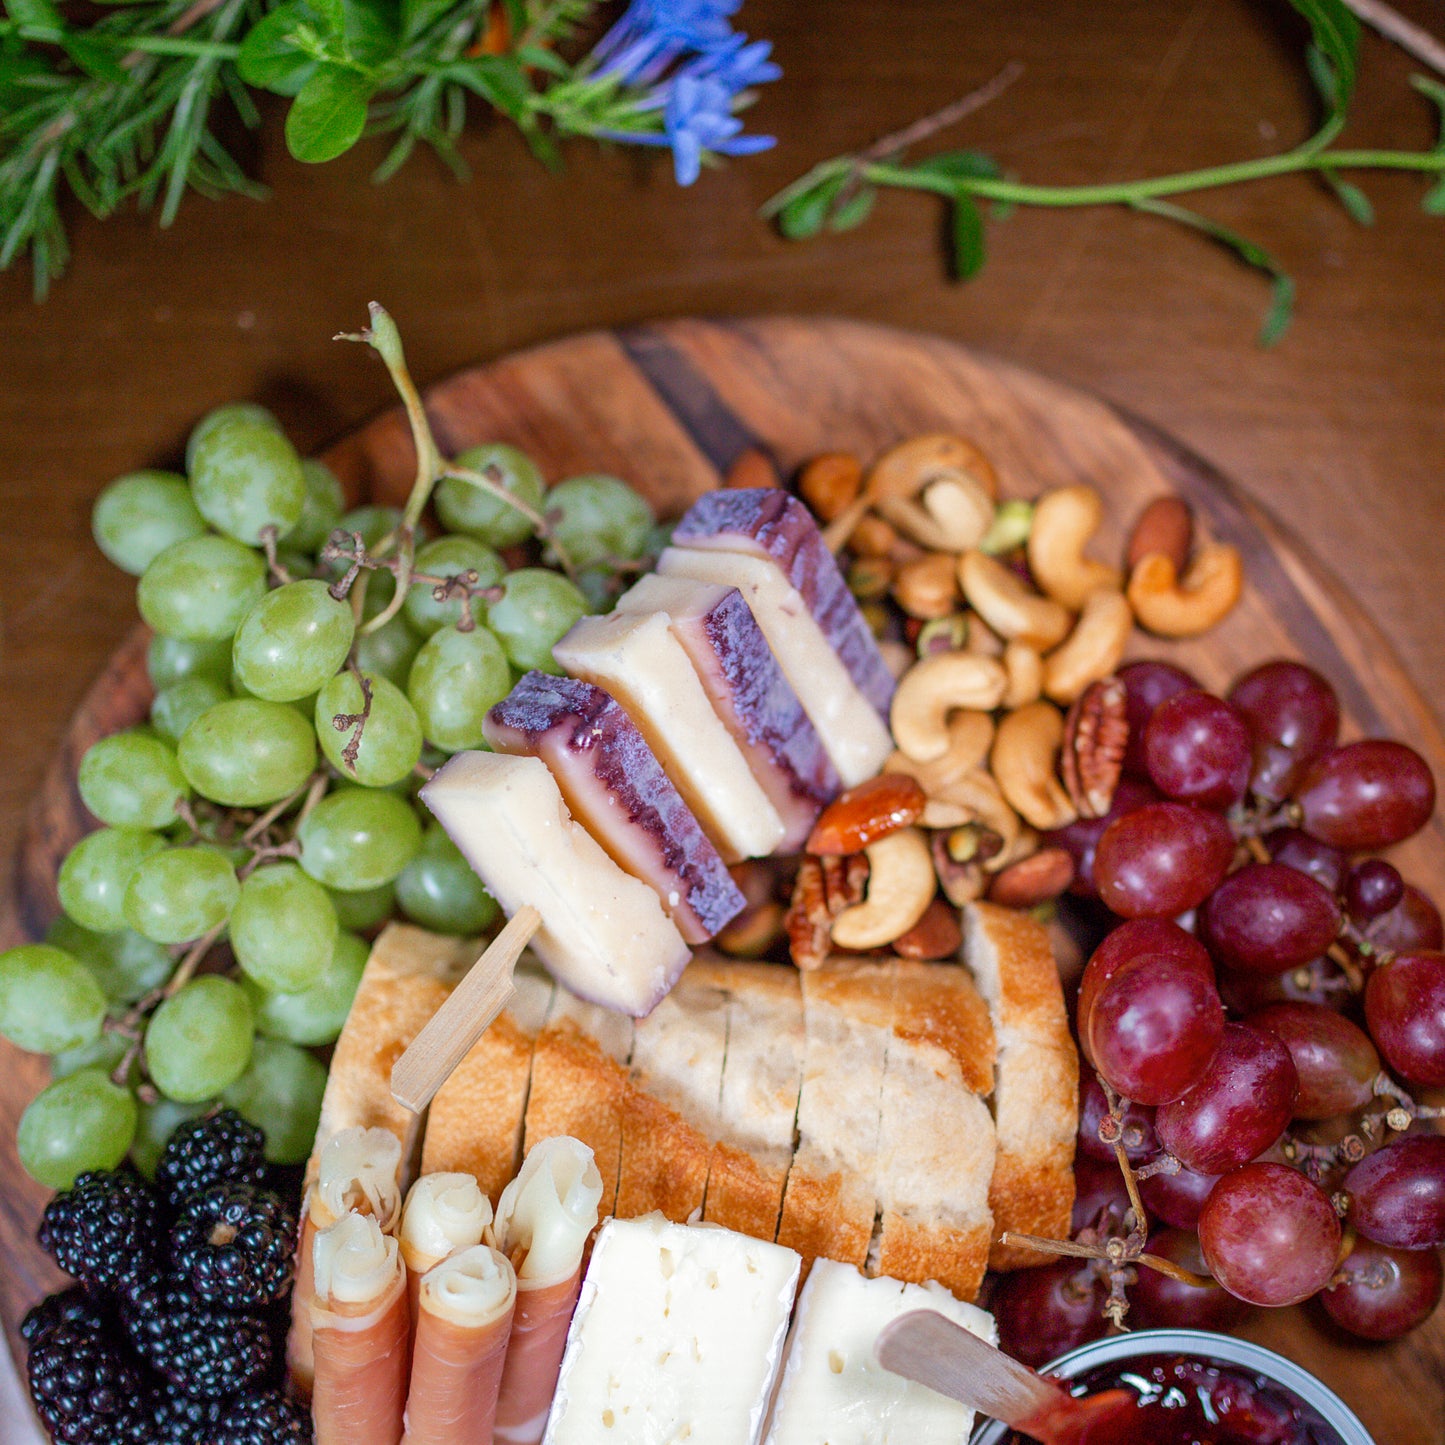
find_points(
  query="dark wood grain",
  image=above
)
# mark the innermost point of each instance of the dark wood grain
(669, 407)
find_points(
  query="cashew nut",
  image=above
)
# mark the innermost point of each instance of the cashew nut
(981, 638)
(975, 798)
(1025, 669)
(970, 735)
(927, 588)
(932, 690)
(1023, 762)
(1064, 520)
(1175, 606)
(952, 513)
(1002, 598)
(901, 885)
(1093, 649)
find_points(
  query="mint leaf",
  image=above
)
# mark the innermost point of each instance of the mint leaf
(1352, 198)
(270, 59)
(967, 233)
(961, 165)
(853, 211)
(499, 80)
(329, 114)
(95, 57)
(804, 215)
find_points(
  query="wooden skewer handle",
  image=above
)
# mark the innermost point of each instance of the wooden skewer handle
(468, 1012)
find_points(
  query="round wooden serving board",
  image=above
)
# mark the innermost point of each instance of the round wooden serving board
(670, 407)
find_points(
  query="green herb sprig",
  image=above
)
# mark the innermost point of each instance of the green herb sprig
(838, 194)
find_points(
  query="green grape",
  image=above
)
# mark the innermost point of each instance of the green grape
(536, 610)
(389, 650)
(139, 515)
(233, 411)
(320, 509)
(600, 586)
(601, 519)
(103, 1052)
(246, 753)
(199, 1040)
(180, 893)
(281, 1095)
(131, 780)
(313, 1015)
(438, 889)
(456, 677)
(77, 1124)
(49, 1000)
(202, 588)
(245, 478)
(467, 508)
(362, 908)
(358, 838)
(450, 557)
(170, 660)
(390, 738)
(93, 878)
(154, 1127)
(176, 707)
(125, 965)
(283, 928)
(292, 640)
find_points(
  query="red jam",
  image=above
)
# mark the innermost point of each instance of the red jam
(1184, 1401)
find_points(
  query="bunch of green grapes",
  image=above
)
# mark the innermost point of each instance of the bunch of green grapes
(264, 818)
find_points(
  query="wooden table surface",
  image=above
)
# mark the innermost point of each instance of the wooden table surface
(1338, 429)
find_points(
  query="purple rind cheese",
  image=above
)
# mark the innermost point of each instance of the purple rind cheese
(769, 522)
(616, 788)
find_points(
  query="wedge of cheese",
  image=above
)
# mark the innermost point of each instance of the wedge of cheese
(834, 1392)
(604, 934)
(678, 1336)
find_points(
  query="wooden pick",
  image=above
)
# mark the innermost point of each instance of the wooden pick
(451, 1031)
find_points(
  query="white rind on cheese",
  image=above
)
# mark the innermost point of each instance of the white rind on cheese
(856, 738)
(834, 1392)
(678, 1336)
(603, 934)
(636, 659)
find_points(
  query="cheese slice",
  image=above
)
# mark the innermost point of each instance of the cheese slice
(604, 934)
(834, 1392)
(636, 659)
(678, 1336)
(855, 736)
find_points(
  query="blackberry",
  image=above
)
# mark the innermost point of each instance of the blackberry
(176, 1419)
(235, 1245)
(264, 1419)
(205, 1352)
(217, 1148)
(74, 1306)
(103, 1231)
(85, 1390)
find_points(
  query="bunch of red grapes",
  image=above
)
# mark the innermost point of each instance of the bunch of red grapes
(1265, 1006)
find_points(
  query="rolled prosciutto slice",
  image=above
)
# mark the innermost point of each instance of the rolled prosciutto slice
(463, 1325)
(444, 1213)
(357, 1173)
(544, 1218)
(360, 1333)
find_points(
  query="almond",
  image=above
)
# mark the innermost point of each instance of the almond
(830, 482)
(873, 537)
(866, 813)
(1165, 526)
(936, 935)
(1033, 880)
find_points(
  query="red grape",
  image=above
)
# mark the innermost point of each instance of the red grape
(1157, 1302)
(1162, 859)
(1137, 1122)
(1044, 1313)
(1269, 918)
(1397, 1195)
(1146, 686)
(1100, 1198)
(1367, 795)
(1380, 1293)
(1238, 1108)
(1196, 748)
(1413, 923)
(1153, 1028)
(1294, 718)
(1405, 1011)
(1177, 1198)
(1334, 1058)
(1080, 838)
(1296, 849)
(1319, 981)
(1269, 1235)
(1139, 938)
(1372, 887)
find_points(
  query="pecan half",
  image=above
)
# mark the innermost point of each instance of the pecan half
(866, 813)
(1040, 877)
(1096, 732)
(808, 923)
(845, 880)
(938, 934)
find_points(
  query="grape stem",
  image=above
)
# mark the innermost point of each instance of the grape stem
(539, 520)
(257, 828)
(268, 545)
(291, 849)
(355, 720)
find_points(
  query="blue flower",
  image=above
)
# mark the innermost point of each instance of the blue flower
(653, 33)
(698, 117)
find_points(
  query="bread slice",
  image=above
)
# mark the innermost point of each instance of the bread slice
(406, 979)
(936, 1145)
(474, 1125)
(1035, 1097)
(831, 1198)
(758, 1105)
